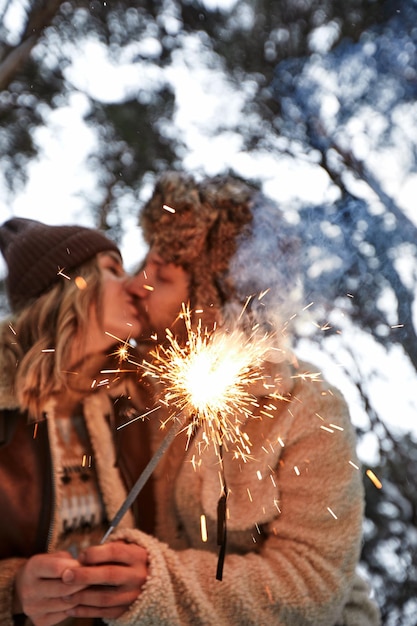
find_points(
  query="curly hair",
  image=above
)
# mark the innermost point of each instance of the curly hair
(45, 332)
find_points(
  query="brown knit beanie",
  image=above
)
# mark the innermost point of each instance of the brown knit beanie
(197, 225)
(35, 253)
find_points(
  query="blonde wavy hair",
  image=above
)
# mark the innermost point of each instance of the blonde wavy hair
(45, 333)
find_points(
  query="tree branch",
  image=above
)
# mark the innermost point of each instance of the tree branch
(40, 16)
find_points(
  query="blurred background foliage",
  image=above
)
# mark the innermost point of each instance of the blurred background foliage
(331, 85)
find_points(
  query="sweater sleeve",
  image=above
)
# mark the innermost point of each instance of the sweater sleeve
(298, 565)
(8, 569)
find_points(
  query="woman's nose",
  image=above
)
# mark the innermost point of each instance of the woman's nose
(137, 285)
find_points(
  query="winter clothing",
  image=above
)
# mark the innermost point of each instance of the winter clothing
(36, 254)
(31, 491)
(293, 528)
(294, 521)
(295, 510)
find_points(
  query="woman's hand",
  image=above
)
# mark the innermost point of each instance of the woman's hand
(111, 577)
(40, 591)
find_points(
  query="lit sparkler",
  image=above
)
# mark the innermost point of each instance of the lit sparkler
(208, 381)
(205, 383)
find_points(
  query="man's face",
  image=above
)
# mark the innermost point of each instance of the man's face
(160, 288)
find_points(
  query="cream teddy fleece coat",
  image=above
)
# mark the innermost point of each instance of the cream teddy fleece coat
(294, 520)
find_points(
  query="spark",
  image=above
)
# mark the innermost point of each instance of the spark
(80, 282)
(354, 465)
(203, 526)
(332, 513)
(60, 272)
(86, 460)
(138, 417)
(326, 326)
(276, 505)
(168, 208)
(397, 326)
(277, 396)
(121, 352)
(248, 299)
(263, 293)
(208, 380)
(374, 479)
(314, 376)
(327, 429)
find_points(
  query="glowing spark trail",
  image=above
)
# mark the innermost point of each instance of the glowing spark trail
(207, 380)
(374, 479)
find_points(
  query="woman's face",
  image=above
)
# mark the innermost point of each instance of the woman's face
(161, 289)
(120, 317)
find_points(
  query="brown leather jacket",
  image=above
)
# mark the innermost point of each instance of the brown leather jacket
(26, 493)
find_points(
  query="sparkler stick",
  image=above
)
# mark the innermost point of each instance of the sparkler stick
(221, 522)
(207, 379)
(144, 477)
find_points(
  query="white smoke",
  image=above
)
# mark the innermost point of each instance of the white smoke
(266, 267)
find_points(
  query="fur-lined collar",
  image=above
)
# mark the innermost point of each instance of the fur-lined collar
(8, 364)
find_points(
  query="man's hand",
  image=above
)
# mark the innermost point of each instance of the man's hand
(111, 577)
(39, 590)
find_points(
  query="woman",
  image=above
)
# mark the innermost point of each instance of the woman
(63, 471)
(295, 509)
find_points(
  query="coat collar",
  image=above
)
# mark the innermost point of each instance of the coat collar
(8, 363)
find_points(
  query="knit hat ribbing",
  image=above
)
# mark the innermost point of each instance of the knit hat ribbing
(35, 253)
(202, 232)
